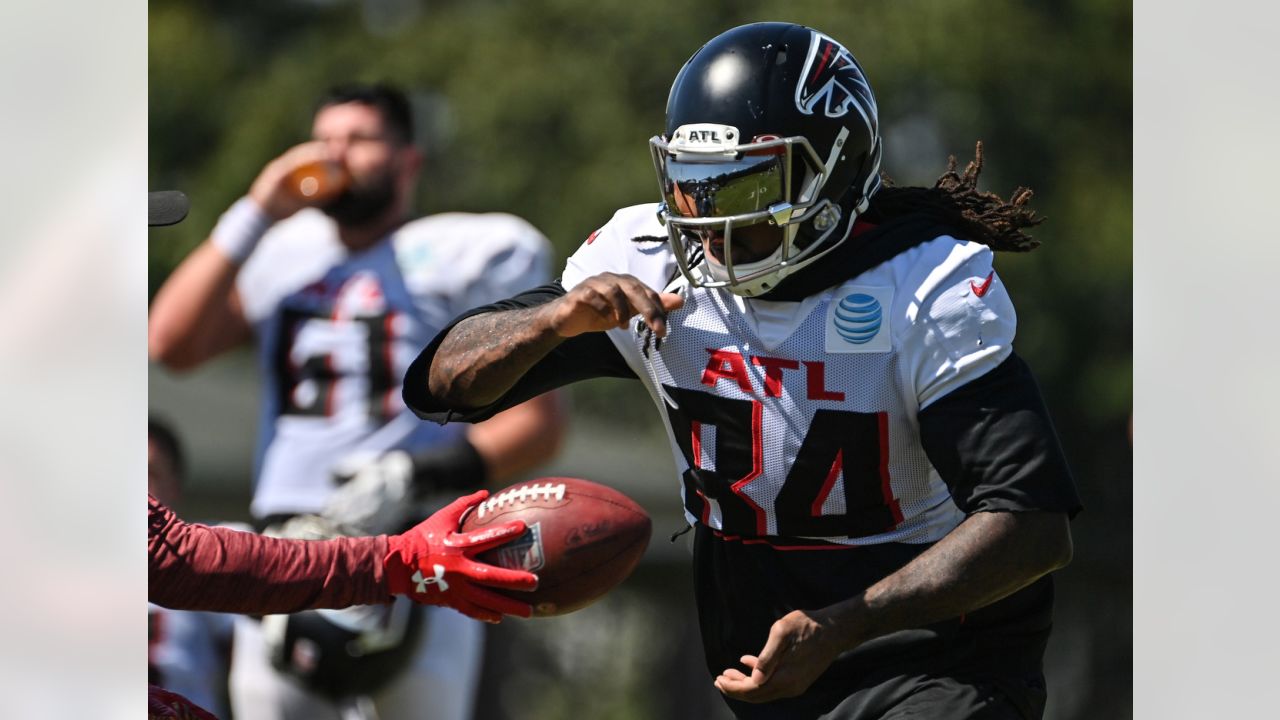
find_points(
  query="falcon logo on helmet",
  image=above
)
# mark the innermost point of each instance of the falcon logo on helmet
(832, 78)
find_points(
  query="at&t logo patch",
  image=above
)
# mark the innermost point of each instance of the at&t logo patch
(858, 321)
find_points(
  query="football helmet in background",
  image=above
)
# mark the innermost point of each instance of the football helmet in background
(345, 653)
(769, 123)
(342, 654)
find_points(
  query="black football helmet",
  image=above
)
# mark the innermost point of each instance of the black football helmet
(345, 653)
(770, 123)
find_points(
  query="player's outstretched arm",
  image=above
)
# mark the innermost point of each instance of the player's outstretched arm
(987, 557)
(195, 567)
(483, 356)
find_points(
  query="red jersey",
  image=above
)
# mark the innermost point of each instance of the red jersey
(197, 567)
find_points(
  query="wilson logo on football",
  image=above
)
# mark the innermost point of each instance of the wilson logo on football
(857, 318)
(833, 80)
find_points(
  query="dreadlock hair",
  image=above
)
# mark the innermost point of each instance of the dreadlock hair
(956, 201)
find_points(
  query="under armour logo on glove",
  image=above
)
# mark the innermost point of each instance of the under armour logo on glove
(434, 550)
(438, 580)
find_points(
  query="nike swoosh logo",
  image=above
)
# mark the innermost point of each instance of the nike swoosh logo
(982, 289)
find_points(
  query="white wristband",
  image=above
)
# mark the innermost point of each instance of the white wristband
(239, 229)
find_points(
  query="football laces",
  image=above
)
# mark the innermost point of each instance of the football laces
(521, 495)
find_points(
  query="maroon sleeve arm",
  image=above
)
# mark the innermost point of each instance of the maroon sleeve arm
(196, 567)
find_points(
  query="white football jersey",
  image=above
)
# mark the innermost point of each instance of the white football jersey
(799, 419)
(337, 330)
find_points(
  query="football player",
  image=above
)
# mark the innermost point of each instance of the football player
(322, 265)
(877, 492)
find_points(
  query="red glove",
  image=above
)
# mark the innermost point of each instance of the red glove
(165, 705)
(433, 564)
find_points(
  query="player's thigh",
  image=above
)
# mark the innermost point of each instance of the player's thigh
(942, 698)
(441, 678)
(259, 692)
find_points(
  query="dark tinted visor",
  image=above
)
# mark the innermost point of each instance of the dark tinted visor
(721, 189)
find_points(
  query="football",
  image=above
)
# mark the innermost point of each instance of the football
(582, 539)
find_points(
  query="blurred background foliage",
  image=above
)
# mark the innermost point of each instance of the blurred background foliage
(543, 108)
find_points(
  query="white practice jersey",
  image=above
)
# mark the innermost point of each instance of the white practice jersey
(799, 419)
(337, 330)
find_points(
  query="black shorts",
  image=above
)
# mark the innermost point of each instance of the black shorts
(945, 698)
(921, 697)
(985, 665)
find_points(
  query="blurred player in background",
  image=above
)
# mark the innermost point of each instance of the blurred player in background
(188, 652)
(322, 265)
(877, 492)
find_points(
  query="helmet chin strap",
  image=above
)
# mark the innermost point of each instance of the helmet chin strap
(755, 288)
(751, 287)
(720, 272)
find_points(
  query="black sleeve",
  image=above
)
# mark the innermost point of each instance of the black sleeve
(581, 357)
(994, 445)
